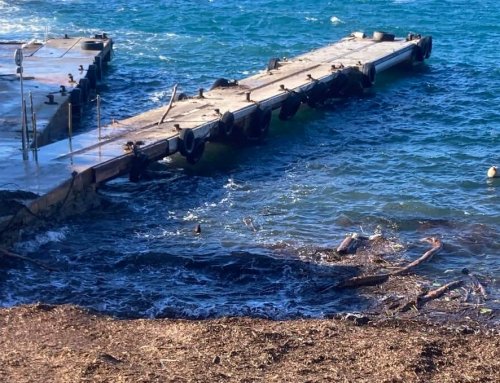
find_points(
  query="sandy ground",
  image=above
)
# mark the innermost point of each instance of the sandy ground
(42, 343)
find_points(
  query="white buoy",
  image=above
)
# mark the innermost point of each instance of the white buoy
(493, 172)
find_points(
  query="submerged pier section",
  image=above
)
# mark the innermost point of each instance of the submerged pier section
(231, 110)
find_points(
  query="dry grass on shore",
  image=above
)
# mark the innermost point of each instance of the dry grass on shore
(42, 343)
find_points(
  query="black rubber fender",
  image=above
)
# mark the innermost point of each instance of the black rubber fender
(354, 84)
(92, 76)
(76, 101)
(90, 45)
(425, 44)
(223, 83)
(181, 96)
(84, 86)
(226, 125)
(429, 46)
(369, 74)
(257, 125)
(76, 97)
(273, 63)
(417, 54)
(290, 106)
(336, 84)
(98, 66)
(138, 167)
(317, 94)
(383, 36)
(187, 142)
(199, 148)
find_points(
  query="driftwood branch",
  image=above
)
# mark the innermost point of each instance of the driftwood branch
(437, 245)
(436, 293)
(476, 284)
(369, 280)
(169, 106)
(430, 295)
(10, 254)
(366, 280)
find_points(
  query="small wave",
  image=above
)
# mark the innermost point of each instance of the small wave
(42, 239)
(336, 21)
(190, 216)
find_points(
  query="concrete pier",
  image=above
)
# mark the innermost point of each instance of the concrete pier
(55, 73)
(68, 171)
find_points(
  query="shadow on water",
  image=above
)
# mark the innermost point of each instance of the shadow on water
(196, 286)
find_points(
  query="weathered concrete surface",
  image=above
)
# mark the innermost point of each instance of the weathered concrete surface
(46, 69)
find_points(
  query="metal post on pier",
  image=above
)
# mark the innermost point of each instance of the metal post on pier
(70, 126)
(33, 128)
(25, 117)
(35, 138)
(18, 58)
(98, 98)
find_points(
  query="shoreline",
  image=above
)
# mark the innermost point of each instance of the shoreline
(69, 343)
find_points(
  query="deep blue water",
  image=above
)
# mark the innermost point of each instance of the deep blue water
(408, 160)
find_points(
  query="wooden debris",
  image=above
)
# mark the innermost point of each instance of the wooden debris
(436, 293)
(476, 284)
(366, 280)
(370, 280)
(437, 245)
(346, 245)
(169, 106)
(10, 254)
(429, 295)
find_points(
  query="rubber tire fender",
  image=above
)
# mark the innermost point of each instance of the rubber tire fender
(317, 94)
(429, 47)
(187, 142)
(84, 86)
(92, 76)
(425, 45)
(354, 84)
(90, 45)
(336, 84)
(76, 101)
(290, 106)
(226, 124)
(257, 125)
(222, 83)
(417, 55)
(180, 97)
(98, 66)
(383, 36)
(199, 148)
(369, 73)
(76, 97)
(273, 63)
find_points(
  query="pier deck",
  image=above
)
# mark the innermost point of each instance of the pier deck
(224, 113)
(55, 72)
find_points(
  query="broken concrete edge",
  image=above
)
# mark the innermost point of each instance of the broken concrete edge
(72, 197)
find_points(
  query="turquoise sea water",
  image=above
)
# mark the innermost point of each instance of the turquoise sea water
(408, 160)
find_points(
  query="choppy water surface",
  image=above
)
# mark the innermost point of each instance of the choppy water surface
(408, 160)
